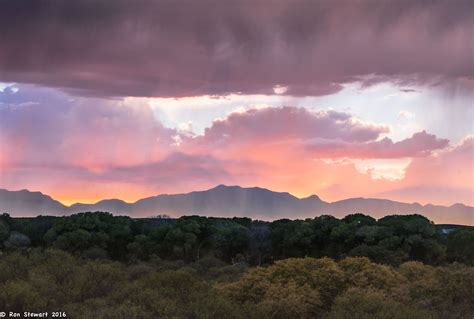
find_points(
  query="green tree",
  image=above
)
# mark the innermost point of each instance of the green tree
(461, 246)
(4, 231)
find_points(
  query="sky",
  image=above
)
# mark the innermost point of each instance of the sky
(128, 99)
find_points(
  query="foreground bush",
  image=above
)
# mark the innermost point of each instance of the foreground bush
(354, 287)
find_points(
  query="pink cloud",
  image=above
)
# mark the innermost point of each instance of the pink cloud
(289, 123)
(447, 176)
(324, 134)
(419, 144)
(89, 133)
(88, 149)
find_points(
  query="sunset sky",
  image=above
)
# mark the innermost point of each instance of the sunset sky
(128, 99)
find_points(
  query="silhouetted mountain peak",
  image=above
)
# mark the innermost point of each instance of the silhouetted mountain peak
(458, 205)
(25, 202)
(223, 186)
(230, 201)
(313, 197)
(111, 201)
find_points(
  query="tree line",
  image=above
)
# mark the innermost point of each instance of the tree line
(99, 235)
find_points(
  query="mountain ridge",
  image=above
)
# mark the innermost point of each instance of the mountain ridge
(230, 201)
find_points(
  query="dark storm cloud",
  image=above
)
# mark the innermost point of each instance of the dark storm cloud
(185, 48)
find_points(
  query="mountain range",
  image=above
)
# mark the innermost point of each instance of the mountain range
(230, 201)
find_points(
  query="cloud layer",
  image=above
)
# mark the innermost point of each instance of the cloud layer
(448, 174)
(184, 48)
(85, 149)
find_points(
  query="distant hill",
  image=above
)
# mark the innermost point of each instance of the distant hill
(229, 201)
(26, 203)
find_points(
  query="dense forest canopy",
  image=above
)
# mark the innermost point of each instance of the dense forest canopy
(389, 240)
(104, 266)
